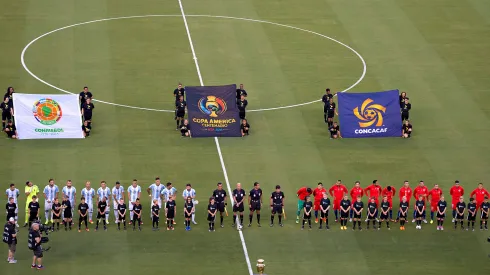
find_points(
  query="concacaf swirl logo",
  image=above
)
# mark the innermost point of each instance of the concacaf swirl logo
(47, 111)
(369, 114)
(212, 106)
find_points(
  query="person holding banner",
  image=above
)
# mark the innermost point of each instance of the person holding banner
(178, 92)
(244, 127)
(180, 107)
(326, 100)
(406, 109)
(331, 112)
(406, 129)
(11, 130)
(242, 105)
(185, 129)
(7, 111)
(87, 108)
(335, 131)
(401, 99)
(240, 92)
(84, 95)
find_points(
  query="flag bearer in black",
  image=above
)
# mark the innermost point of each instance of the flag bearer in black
(83, 211)
(33, 210)
(460, 208)
(238, 200)
(101, 209)
(178, 92)
(335, 131)
(180, 107)
(472, 210)
(10, 94)
(56, 207)
(244, 127)
(185, 129)
(170, 212)
(331, 112)
(242, 105)
(219, 196)
(87, 108)
(11, 130)
(324, 207)
(10, 207)
(401, 99)
(406, 129)
(121, 211)
(137, 208)
(86, 128)
(240, 92)
(345, 206)
(212, 210)
(357, 208)
(7, 111)
(307, 213)
(372, 213)
(277, 204)
(441, 213)
(84, 95)
(485, 207)
(155, 214)
(326, 101)
(385, 212)
(255, 203)
(406, 109)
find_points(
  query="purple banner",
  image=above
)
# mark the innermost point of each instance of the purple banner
(213, 111)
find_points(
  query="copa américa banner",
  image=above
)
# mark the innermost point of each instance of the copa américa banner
(47, 116)
(369, 114)
(213, 111)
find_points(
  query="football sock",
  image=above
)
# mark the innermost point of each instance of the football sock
(234, 219)
(3, 124)
(354, 225)
(462, 225)
(107, 216)
(241, 219)
(272, 219)
(103, 221)
(251, 217)
(210, 226)
(298, 212)
(351, 213)
(472, 224)
(324, 117)
(431, 215)
(326, 221)
(359, 223)
(481, 223)
(177, 122)
(90, 215)
(280, 218)
(316, 214)
(59, 224)
(469, 223)
(321, 222)
(309, 222)
(86, 224)
(414, 213)
(336, 214)
(455, 224)
(388, 224)
(391, 214)
(303, 223)
(258, 218)
(442, 221)
(368, 223)
(454, 214)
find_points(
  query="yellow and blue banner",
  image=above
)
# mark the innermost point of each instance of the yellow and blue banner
(213, 111)
(369, 114)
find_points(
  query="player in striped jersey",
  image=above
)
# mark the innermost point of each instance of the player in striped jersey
(154, 192)
(134, 193)
(50, 193)
(13, 192)
(169, 192)
(71, 192)
(104, 192)
(117, 195)
(89, 193)
(190, 192)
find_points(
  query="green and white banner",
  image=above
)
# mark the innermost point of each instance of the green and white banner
(47, 116)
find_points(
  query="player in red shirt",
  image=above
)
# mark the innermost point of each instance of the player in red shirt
(423, 191)
(456, 192)
(435, 195)
(355, 192)
(318, 195)
(405, 191)
(302, 193)
(479, 194)
(337, 191)
(373, 191)
(389, 192)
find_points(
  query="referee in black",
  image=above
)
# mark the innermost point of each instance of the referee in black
(180, 107)
(10, 238)
(242, 105)
(255, 203)
(219, 195)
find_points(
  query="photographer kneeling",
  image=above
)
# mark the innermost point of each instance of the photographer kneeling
(10, 238)
(34, 244)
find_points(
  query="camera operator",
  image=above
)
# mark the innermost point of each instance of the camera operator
(10, 238)
(34, 244)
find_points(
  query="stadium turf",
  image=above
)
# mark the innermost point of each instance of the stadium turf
(436, 51)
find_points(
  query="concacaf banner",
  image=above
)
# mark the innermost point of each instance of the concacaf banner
(47, 116)
(213, 111)
(370, 114)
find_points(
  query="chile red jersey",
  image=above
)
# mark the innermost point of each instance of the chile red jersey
(479, 194)
(421, 191)
(456, 192)
(373, 191)
(389, 194)
(435, 195)
(356, 192)
(318, 194)
(303, 193)
(338, 191)
(405, 191)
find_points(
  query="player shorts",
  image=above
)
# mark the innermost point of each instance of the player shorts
(38, 252)
(255, 205)
(187, 216)
(242, 114)
(330, 114)
(56, 217)
(238, 208)
(10, 216)
(440, 216)
(122, 218)
(459, 217)
(478, 204)
(221, 207)
(383, 216)
(484, 216)
(67, 215)
(277, 209)
(471, 217)
(211, 218)
(87, 116)
(405, 115)
(316, 206)
(180, 114)
(373, 216)
(6, 116)
(433, 207)
(324, 214)
(301, 204)
(48, 205)
(170, 215)
(100, 216)
(32, 217)
(155, 219)
(418, 215)
(403, 216)
(305, 216)
(356, 216)
(344, 215)
(453, 203)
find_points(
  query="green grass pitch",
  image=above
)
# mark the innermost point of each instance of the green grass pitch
(436, 50)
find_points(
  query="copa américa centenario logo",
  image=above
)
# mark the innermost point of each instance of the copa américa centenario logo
(212, 106)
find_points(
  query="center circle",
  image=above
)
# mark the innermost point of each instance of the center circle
(205, 16)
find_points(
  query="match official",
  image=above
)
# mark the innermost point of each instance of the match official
(219, 196)
(34, 244)
(277, 204)
(180, 106)
(10, 238)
